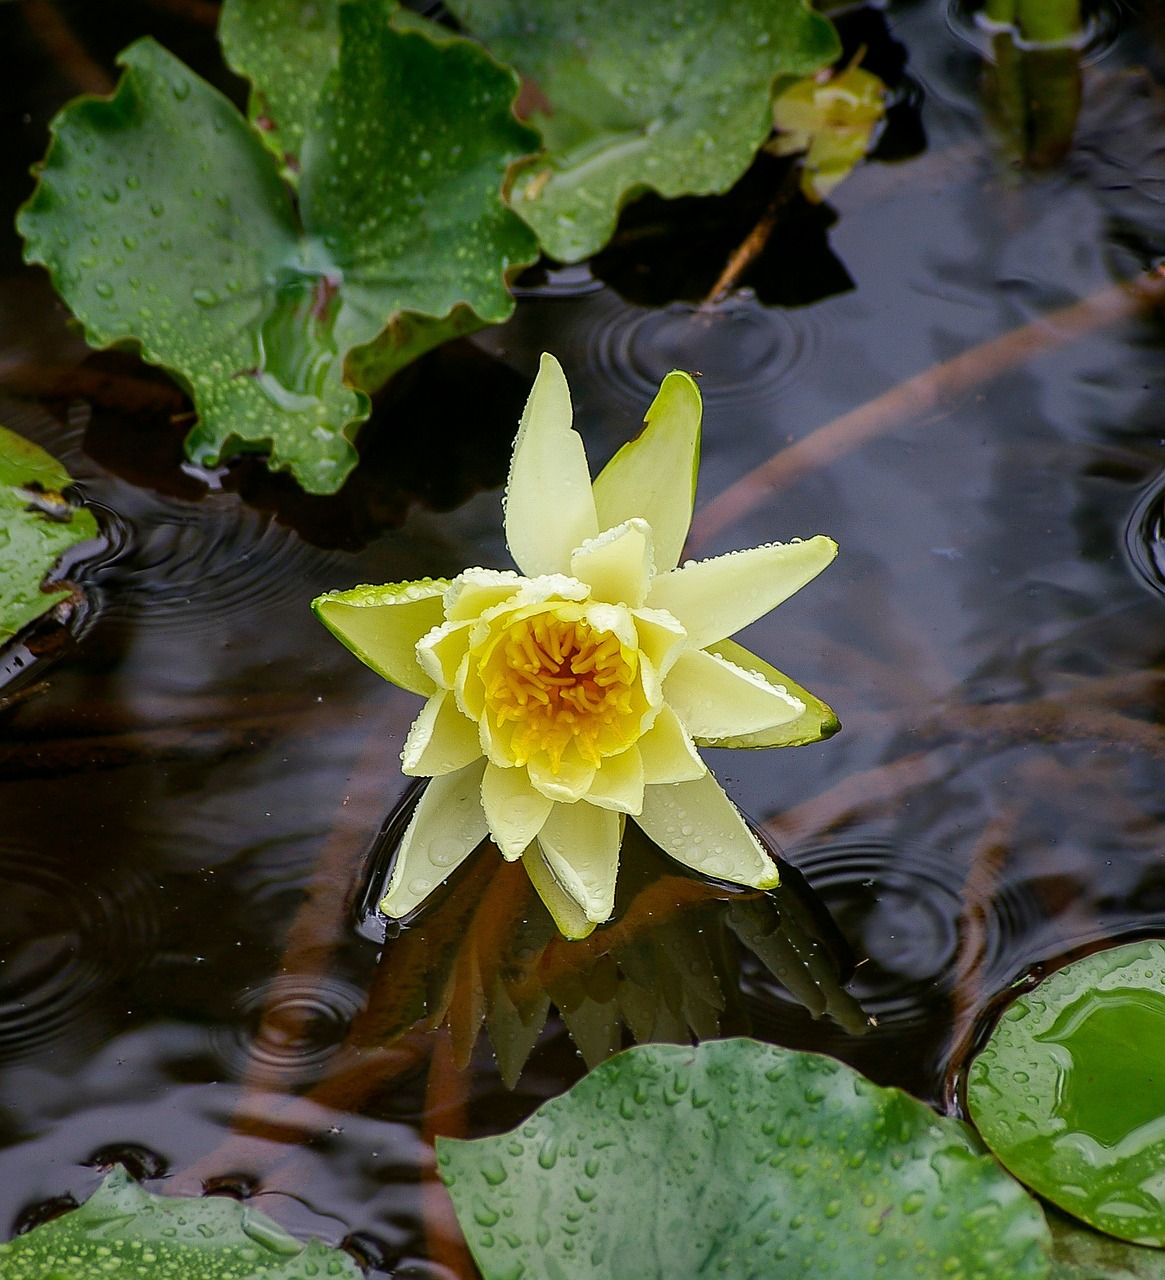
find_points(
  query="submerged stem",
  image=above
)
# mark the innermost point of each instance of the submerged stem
(926, 393)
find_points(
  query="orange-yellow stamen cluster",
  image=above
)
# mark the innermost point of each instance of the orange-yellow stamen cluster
(559, 681)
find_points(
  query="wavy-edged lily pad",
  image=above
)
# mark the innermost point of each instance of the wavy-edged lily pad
(739, 1159)
(122, 1230)
(1069, 1091)
(162, 219)
(37, 526)
(630, 98)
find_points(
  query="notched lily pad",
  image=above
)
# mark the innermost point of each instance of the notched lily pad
(163, 220)
(125, 1231)
(1069, 1091)
(631, 98)
(37, 526)
(739, 1159)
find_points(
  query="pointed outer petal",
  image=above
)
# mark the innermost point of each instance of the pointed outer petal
(440, 652)
(618, 783)
(816, 722)
(514, 810)
(580, 843)
(661, 638)
(655, 475)
(697, 824)
(668, 753)
(714, 598)
(571, 782)
(617, 565)
(565, 912)
(449, 823)
(381, 625)
(471, 593)
(549, 506)
(441, 740)
(715, 699)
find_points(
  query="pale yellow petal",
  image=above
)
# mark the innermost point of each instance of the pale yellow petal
(697, 824)
(668, 753)
(564, 911)
(381, 625)
(569, 783)
(714, 598)
(618, 782)
(448, 824)
(580, 843)
(661, 638)
(549, 506)
(440, 652)
(618, 564)
(514, 810)
(471, 593)
(716, 699)
(441, 739)
(654, 476)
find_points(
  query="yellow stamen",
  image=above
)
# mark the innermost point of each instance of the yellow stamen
(560, 682)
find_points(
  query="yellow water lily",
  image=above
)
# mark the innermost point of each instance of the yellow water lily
(563, 698)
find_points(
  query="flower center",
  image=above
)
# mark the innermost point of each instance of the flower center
(559, 681)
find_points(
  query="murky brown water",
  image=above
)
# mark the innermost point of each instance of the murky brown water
(991, 636)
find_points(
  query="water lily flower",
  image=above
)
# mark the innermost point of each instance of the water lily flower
(573, 694)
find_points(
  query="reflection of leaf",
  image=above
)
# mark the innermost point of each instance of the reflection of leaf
(37, 526)
(162, 219)
(738, 1159)
(635, 98)
(488, 954)
(833, 121)
(1081, 1254)
(123, 1230)
(1069, 1091)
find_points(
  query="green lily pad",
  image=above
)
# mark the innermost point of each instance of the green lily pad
(738, 1159)
(162, 219)
(37, 526)
(122, 1230)
(1079, 1253)
(1069, 1091)
(631, 98)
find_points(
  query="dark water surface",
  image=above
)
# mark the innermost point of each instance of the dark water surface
(991, 635)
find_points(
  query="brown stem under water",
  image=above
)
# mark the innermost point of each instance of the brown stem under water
(446, 1096)
(753, 245)
(202, 12)
(924, 394)
(60, 42)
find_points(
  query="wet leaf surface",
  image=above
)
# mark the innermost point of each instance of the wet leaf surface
(163, 220)
(1070, 1090)
(741, 1159)
(124, 1230)
(638, 99)
(37, 526)
(1081, 1254)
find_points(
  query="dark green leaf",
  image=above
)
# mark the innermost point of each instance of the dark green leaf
(1081, 1254)
(744, 1160)
(162, 219)
(632, 97)
(124, 1231)
(1069, 1092)
(37, 526)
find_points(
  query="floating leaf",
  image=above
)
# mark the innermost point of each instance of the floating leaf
(631, 98)
(162, 219)
(739, 1159)
(833, 121)
(1081, 1254)
(37, 526)
(122, 1230)
(1069, 1091)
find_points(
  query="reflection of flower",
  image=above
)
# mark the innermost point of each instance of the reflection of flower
(562, 700)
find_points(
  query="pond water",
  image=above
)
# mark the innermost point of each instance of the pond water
(991, 637)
